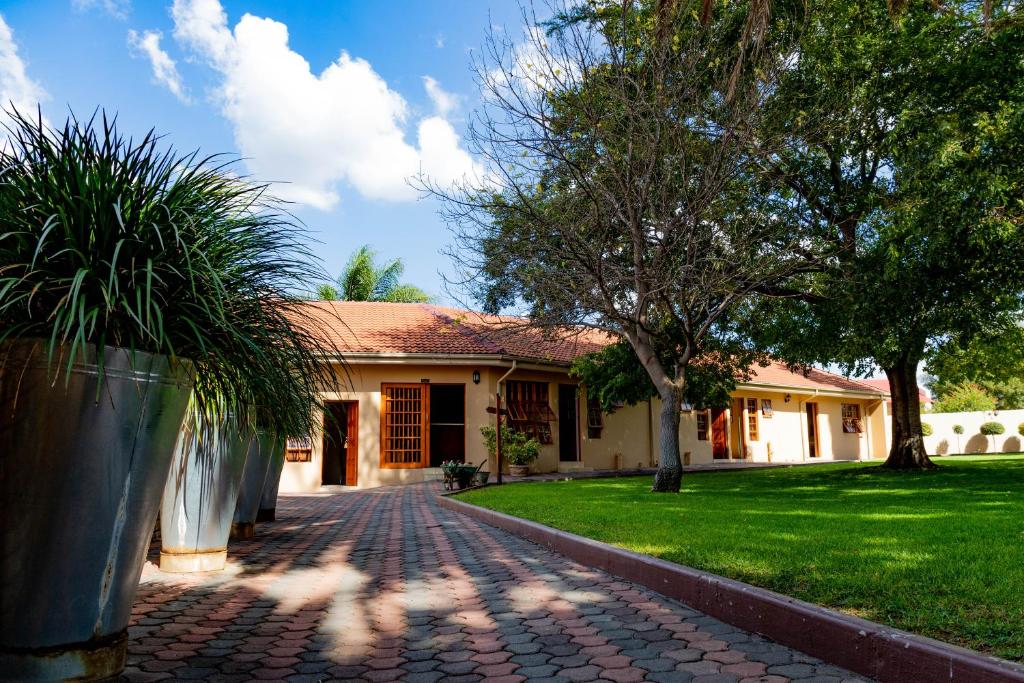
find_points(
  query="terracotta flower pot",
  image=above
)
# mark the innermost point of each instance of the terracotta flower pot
(518, 470)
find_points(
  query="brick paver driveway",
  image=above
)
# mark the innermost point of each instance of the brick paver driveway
(385, 585)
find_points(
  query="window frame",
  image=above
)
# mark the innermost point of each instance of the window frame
(424, 425)
(851, 418)
(594, 426)
(528, 407)
(705, 429)
(753, 419)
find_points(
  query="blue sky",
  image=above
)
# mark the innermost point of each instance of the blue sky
(267, 81)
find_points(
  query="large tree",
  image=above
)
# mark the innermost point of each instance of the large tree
(622, 191)
(914, 160)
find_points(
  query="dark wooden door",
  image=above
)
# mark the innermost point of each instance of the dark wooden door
(719, 434)
(352, 443)
(567, 451)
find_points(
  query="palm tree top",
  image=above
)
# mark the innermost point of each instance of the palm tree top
(364, 280)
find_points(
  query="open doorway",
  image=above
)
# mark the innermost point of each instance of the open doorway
(341, 444)
(567, 446)
(447, 423)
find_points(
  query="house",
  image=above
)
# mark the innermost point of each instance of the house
(419, 381)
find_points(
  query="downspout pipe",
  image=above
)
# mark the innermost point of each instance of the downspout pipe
(497, 413)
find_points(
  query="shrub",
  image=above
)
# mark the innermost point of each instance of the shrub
(1020, 429)
(516, 447)
(992, 428)
(958, 429)
(926, 429)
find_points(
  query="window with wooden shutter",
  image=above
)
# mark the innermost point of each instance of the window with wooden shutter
(404, 417)
(851, 419)
(752, 421)
(529, 410)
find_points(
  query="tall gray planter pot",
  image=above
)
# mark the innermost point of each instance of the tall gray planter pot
(268, 501)
(82, 468)
(254, 475)
(199, 499)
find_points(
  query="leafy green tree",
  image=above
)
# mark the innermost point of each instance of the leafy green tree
(364, 280)
(964, 397)
(907, 137)
(993, 361)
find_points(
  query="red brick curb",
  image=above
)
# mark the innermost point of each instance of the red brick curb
(880, 652)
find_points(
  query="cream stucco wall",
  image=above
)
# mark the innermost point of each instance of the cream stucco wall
(784, 435)
(628, 439)
(362, 383)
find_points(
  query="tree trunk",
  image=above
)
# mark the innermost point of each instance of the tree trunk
(670, 468)
(907, 451)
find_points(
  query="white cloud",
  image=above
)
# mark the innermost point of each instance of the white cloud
(313, 131)
(444, 102)
(115, 8)
(16, 88)
(439, 40)
(165, 71)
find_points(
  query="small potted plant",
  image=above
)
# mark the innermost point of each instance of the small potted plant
(519, 450)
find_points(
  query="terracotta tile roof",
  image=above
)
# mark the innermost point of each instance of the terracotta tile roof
(882, 384)
(389, 328)
(376, 327)
(778, 374)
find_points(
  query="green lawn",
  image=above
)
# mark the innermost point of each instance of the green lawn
(937, 553)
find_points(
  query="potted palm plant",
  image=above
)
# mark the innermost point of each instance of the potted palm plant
(129, 277)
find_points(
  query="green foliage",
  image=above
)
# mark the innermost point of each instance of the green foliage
(937, 530)
(516, 447)
(363, 280)
(993, 361)
(958, 429)
(965, 397)
(992, 428)
(926, 429)
(105, 240)
(1020, 429)
(327, 293)
(908, 134)
(614, 375)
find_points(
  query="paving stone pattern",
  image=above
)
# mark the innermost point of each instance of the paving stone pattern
(385, 585)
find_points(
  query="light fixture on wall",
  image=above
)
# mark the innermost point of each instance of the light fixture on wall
(476, 377)
(787, 397)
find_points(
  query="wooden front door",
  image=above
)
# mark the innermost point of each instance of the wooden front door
(341, 444)
(812, 430)
(719, 434)
(352, 444)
